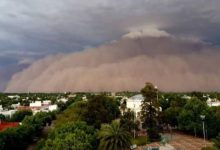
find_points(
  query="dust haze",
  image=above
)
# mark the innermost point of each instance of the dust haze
(172, 63)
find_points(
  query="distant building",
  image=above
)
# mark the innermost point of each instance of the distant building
(46, 102)
(64, 100)
(8, 113)
(113, 94)
(15, 105)
(1, 108)
(213, 102)
(23, 108)
(5, 125)
(36, 104)
(134, 103)
(84, 98)
(186, 97)
(72, 95)
(13, 96)
(53, 107)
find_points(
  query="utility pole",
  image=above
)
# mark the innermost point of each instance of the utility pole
(203, 127)
(134, 119)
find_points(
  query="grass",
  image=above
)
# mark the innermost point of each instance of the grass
(140, 140)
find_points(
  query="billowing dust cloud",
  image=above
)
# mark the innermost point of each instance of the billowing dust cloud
(171, 63)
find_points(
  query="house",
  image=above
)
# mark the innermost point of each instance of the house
(186, 97)
(134, 103)
(36, 104)
(1, 108)
(84, 98)
(113, 94)
(15, 105)
(71, 95)
(20, 108)
(213, 102)
(46, 102)
(8, 113)
(64, 100)
(14, 96)
(5, 125)
(53, 107)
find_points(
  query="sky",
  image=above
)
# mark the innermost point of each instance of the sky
(39, 35)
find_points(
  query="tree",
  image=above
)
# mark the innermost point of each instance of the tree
(150, 111)
(75, 112)
(213, 121)
(72, 136)
(123, 106)
(171, 115)
(127, 121)
(199, 95)
(18, 138)
(217, 142)
(114, 137)
(101, 109)
(2, 118)
(189, 119)
(20, 115)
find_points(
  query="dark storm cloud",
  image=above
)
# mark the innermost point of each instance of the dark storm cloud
(42, 27)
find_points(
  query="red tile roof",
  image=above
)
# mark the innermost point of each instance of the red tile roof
(5, 125)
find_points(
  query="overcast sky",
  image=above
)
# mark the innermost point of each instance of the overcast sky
(33, 29)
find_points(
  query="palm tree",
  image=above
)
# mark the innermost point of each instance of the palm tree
(114, 137)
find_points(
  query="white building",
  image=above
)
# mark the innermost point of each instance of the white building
(134, 103)
(53, 107)
(84, 98)
(36, 104)
(1, 108)
(186, 97)
(46, 102)
(213, 102)
(13, 96)
(72, 95)
(15, 105)
(64, 100)
(8, 113)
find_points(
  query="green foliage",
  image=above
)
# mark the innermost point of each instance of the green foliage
(19, 138)
(127, 121)
(74, 112)
(2, 117)
(167, 100)
(150, 111)
(101, 109)
(217, 141)
(123, 105)
(198, 95)
(72, 136)
(20, 115)
(40, 144)
(171, 115)
(114, 137)
(189, 119)
(213, 121)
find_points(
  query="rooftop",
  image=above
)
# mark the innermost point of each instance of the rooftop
(5, 125)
